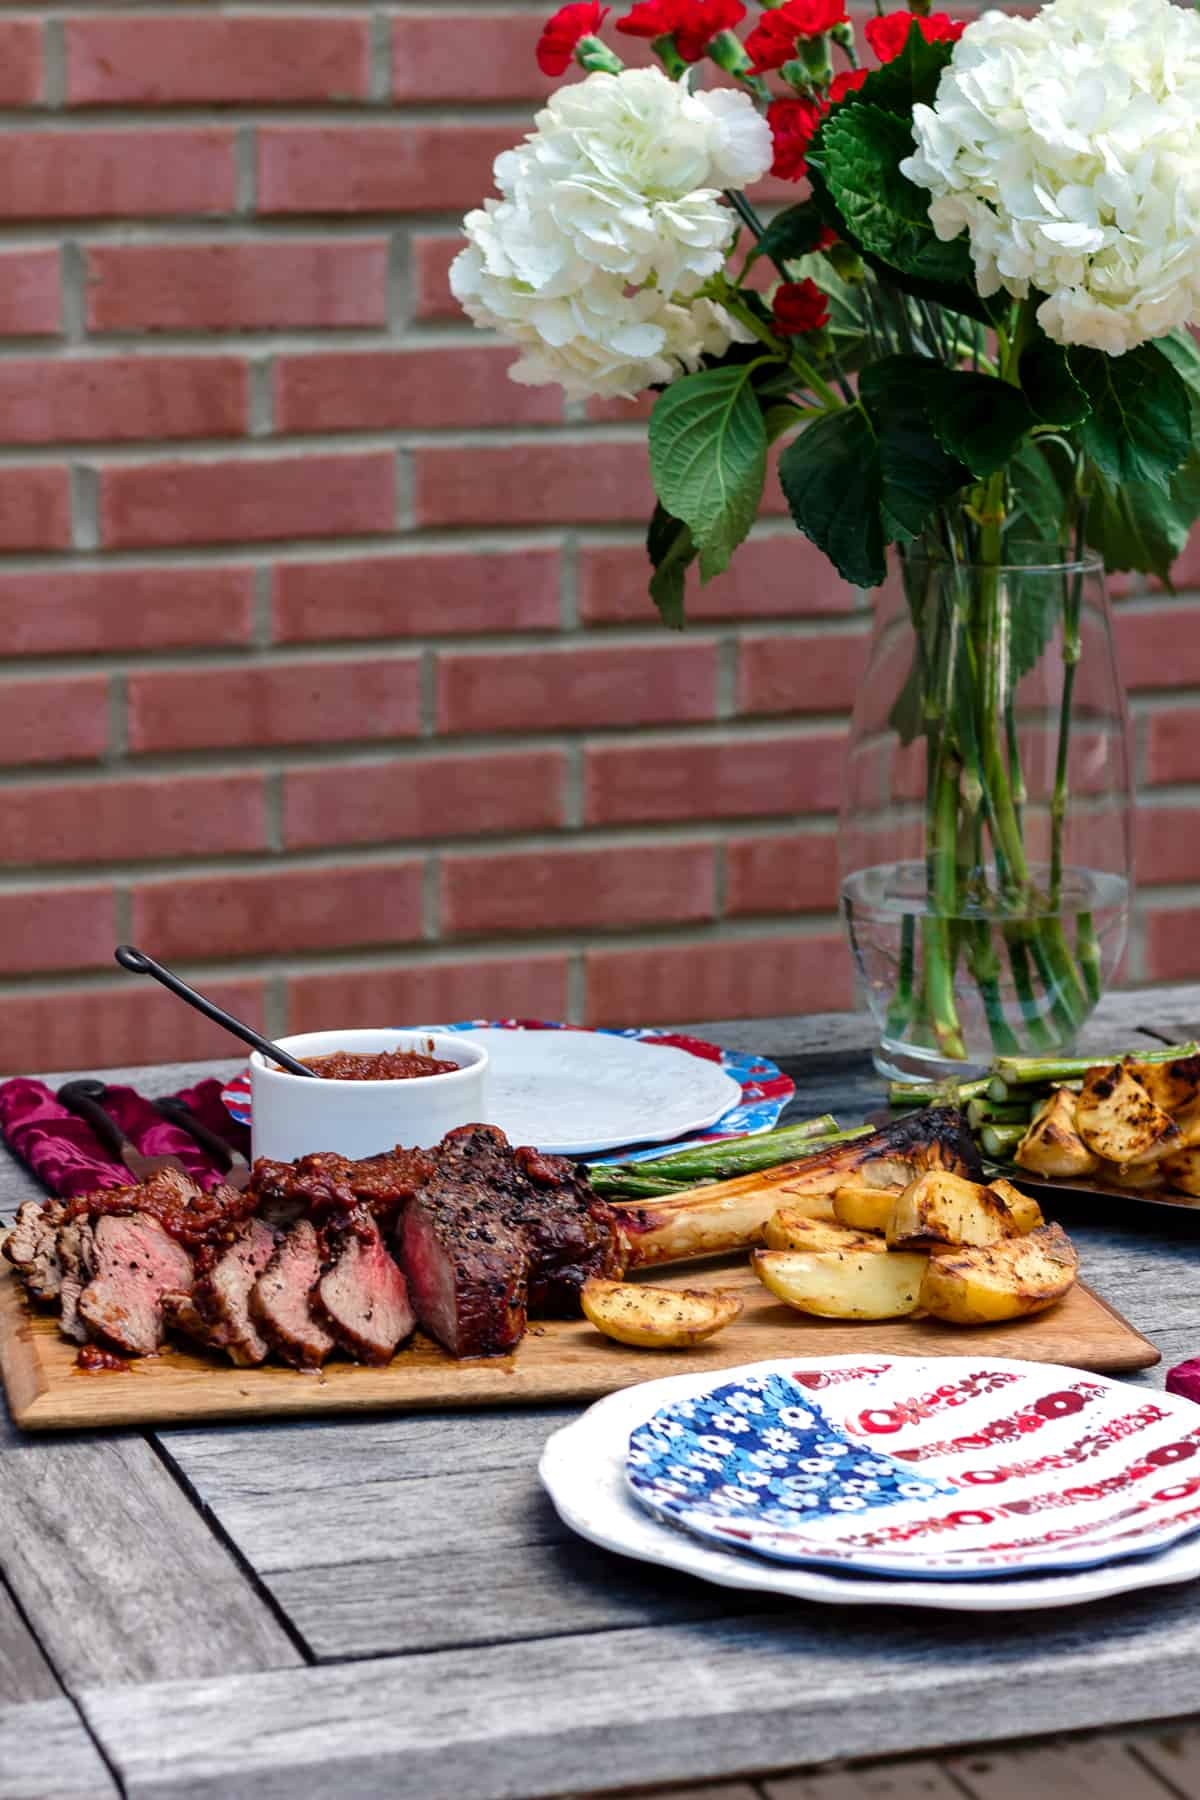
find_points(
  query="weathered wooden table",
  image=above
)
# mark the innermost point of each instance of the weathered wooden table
(389, 1606)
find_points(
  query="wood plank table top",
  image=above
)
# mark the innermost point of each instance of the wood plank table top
(388, 1605)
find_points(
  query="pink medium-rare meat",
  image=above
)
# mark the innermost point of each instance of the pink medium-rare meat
(136, 1263)
(280, 1303)
(362, 1296)
(217, 1310)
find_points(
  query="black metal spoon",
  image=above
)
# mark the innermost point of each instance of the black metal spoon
(138, 963)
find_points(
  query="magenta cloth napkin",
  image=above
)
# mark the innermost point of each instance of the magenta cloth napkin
(1184, 1379)
(67, 1157)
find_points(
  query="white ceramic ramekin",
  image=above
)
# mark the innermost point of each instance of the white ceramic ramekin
(294, 1116)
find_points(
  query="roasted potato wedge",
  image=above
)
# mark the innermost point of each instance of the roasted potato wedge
(939, 1208)
(990, 1283)
(1052, 1145)
(1188, 1123)
(1174, 1086)
(1117, 1119)
(657, 1318)
(862, 1208)
(1142, 1177)
(1182, 1171)
(1026, 1213)
(789, 1230)
(843, 1284)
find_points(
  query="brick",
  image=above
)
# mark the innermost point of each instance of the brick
(597, 890)
(112, 399)
(504, 987)
(622, 411)
(638, 784)
(1169, 944)
(57, 928)
(442, 796)
(1173, 744)
(134, 820)
(35, 508)
(30, 293)
(533, 484)
(296, 909)
(797, 675)
(287, 284)
(1186, 571)
(47, 613)
(407, 390)
(64, 720)
(108, 1027)
(265, 704)
(20, 62)
(732, 980)
(178, 60)
(574, 689)
(771, 577)
(427, 595)
(781, 874)
(377, 168)
(431, 259)
(1158, 648)
(1168, 845)
(493, 59)
(258, 501)
(116, 174)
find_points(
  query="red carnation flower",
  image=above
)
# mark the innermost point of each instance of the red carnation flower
(773, 42)
(692, 23)
(556, 46)
(846, 83)
(887, 36)
(800, 307)
(793, 126)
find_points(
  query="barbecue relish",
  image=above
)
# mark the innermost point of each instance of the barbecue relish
(382, 1065)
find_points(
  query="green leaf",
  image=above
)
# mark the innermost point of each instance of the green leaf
(1140, 426)
(671, 550)
(790, 235)
(859, 155)
(831, 477)
(916, 474)
(978, 419)
(1037, 498)
(1052, 391)
(1139, 526)
(909, 79)
(1183, 353)
(708, 457)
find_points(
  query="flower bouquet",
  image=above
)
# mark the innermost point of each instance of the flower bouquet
(963, 352)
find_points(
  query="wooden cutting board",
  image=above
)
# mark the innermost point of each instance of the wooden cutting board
(559, 1360)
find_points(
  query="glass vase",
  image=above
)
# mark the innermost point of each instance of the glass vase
(986, 836)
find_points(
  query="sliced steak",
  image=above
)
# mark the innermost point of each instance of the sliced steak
(32, 1247)
(137, 1262)
(224, 1293)
(467, 1265)
(362, 1296)
(77, 1255)
(570, 1231)
(183, 1315)
(279, 1300)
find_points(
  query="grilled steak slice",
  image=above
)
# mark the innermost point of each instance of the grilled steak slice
(362, 1296)
(32, 1247)
(279, 1300)
(183, 1315)
(217, 1310)
(137, 1262)
(77, 1255)
(570, 1231)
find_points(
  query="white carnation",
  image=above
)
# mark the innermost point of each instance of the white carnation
(610, 220)
(1068, 146)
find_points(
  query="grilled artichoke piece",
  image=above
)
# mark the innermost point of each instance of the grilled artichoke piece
(790, 1230)
(1026, 1213)
(1173, 1086)
(994, 1282)
(1052, 1145)
(843, 1284)
(939, 1208)
(1182, 1171)
(1117, 1119)
(862, 1208)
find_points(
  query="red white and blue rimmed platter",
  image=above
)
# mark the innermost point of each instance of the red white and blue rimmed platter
(583, 1469)
(579, 1092)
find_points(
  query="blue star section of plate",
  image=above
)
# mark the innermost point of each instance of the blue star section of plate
(760, 1450)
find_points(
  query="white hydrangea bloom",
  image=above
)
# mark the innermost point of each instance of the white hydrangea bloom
(1068, 146)
(610, 220)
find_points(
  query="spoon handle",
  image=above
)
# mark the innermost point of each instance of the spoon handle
(138, 963)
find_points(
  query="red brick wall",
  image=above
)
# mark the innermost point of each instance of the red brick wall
(329, 672)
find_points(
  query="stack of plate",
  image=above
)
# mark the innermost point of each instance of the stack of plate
(963, 1483)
